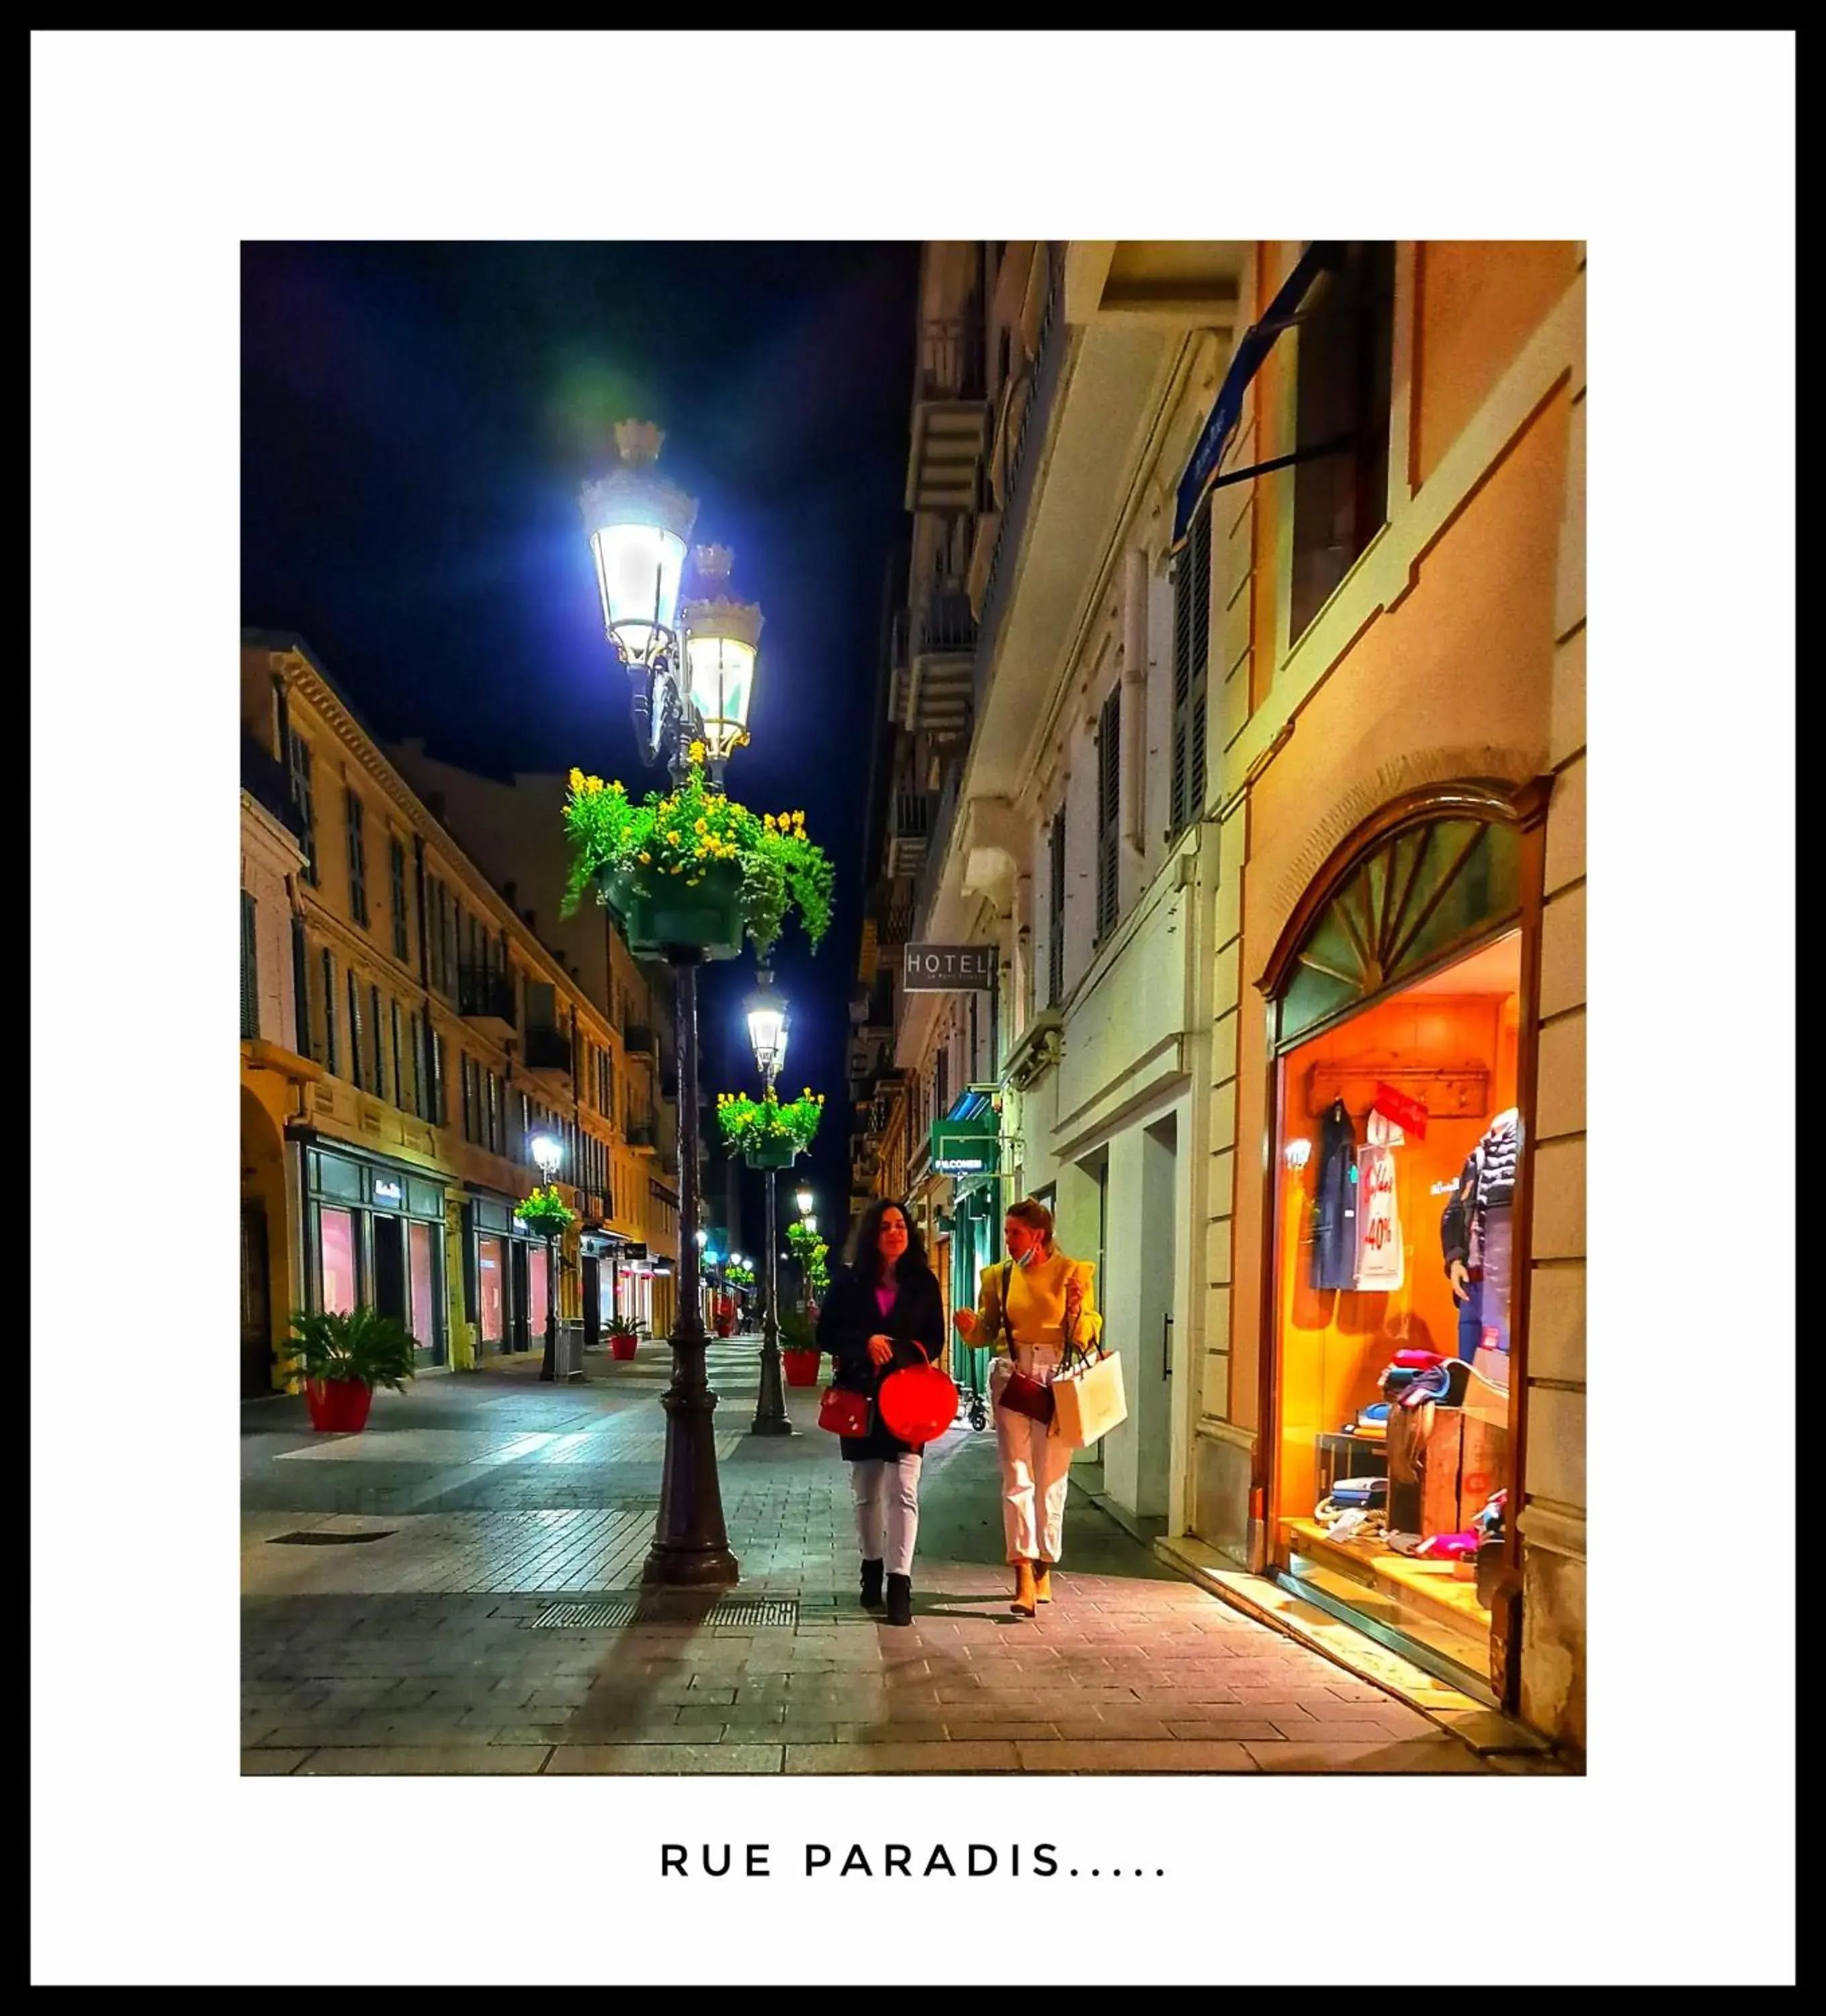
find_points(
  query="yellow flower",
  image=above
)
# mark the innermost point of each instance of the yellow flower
(673, 837)
(770, 822)
(697, 752)
(576, 779)
(703, 826)
(645, 860)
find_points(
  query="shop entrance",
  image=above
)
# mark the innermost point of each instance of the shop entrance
(521, 1336)
(390, 1269)
(256, 1305)
(1394, 1301)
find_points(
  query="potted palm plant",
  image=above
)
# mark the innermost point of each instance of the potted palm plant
(341, 1357)
(799, 1351)
(623, 1338)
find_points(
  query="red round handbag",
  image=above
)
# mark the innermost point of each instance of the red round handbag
(843, 1413)
(917, 1404)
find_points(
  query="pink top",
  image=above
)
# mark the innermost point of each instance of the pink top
(884, 1296)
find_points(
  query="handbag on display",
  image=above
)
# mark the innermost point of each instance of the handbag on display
(844, 1413)
(1022, 1393)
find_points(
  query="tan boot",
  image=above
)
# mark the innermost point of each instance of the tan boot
(1022, 1605)
(1043, 1582)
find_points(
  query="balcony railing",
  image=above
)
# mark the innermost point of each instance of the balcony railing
(548, 1049)
(1049, 354)
(945, 622)
(265, 781)
(485, 994)
(950, 359)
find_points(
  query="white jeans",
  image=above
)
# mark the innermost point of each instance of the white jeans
(1034, 1464)
(886, 1491)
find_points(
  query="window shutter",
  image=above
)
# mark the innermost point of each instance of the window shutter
(1182, 675)
(354, 1031)
(1109, 810)
(249, 969)
(1055, 910)
(329, 1012)
(1201, 661)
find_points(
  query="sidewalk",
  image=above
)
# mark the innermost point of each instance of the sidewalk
(395, 1583)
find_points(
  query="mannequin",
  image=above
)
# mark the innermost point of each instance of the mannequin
(1475, 1236)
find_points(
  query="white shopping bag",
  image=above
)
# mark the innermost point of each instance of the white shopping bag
(1088, 1402)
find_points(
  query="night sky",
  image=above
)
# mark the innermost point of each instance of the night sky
(415, 422)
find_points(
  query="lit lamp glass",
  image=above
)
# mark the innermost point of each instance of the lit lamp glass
(810, 1222)
(767, 1027)
(639, 527)
(548, 1153)
(721, 637)
(804, 1200)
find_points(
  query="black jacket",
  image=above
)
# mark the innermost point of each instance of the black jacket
(851, 1316)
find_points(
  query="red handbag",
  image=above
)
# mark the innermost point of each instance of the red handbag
(918, 1403)
(1023, 1394)
(844, 1413)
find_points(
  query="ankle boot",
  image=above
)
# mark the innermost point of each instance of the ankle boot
(1043, 1582)
(899, 1599)
(872, 1577)
(1022, 1605)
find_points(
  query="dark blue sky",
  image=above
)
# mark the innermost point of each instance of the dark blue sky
(415, 421)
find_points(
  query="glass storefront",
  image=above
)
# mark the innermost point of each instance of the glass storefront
(424, 1304)
(1395, 1256)
(491, 1295)
(337, 1236)
(538, 1271)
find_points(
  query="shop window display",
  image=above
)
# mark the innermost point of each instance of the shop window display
(338, 1234)
(1395, 1274)
(491, 1272)
(537, 1263)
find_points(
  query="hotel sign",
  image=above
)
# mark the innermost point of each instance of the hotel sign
(938, 969)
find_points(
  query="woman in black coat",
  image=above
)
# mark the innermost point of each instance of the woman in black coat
(884, 1311)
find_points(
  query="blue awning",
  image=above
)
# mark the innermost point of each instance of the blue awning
(1201, 471)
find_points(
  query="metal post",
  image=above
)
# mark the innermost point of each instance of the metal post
(549, 1364)
(691, 1544)
(771, 1418)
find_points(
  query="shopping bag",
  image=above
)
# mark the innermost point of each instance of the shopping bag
(1088, 1402)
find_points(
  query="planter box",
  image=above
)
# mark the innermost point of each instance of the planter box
(800, 1366)
(707, 919)
(338, 1406)
(623, 1347)
(771, 1155)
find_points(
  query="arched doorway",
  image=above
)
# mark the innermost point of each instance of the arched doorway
(264, 1321)
(1395, 1263)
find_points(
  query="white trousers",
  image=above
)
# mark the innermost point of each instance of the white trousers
(886, 1491)
(1035, 1464)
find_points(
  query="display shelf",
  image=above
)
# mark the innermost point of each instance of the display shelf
(1422, 1597)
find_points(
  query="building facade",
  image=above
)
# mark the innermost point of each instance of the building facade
(434, 1036)
(1264, 778)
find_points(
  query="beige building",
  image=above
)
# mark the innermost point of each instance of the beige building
(1264, 776)
(435, 1033)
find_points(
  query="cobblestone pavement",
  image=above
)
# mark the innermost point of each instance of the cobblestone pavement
(393, 1583)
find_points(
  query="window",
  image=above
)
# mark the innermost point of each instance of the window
(416, 1033)
(439, 1083)
(399, 1075)
(249, 969)
(1344, 369)
(1108, 797)
(336, 1260)
(495, 1128)
(1191, 652)
(300, 764)
(379, 1045)
(1055, 910)
(396, 855)
(354, 1031)
(468, 1096)
(357, 861)
(328, 1059)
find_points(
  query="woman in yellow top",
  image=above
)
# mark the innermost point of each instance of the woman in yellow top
(1041, 1298)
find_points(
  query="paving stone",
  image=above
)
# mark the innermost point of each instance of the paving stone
(270, 1763)
(1168, 1755)
(1443, 1755)
(683, 1760)
(473, 1760)
(892, 1760)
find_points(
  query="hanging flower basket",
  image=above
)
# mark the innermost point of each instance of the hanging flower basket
(706, 915)
(771, 1155)
(767, 1132)
(691, 867)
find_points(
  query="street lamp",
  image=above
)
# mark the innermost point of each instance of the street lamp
(547, 1151)
(768, 1026)
(693, 679)
(804, 1200)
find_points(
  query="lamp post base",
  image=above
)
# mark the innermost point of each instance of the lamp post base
(691, 1544)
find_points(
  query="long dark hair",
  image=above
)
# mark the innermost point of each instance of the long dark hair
(864, 1251)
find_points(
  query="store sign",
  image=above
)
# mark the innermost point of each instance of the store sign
(1409, 1115)
(387, 1192)
(521, 1226)
(967, 1145)
(937, 969)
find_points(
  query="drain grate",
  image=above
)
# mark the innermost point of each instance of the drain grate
(327, 1539)
(756, 1613)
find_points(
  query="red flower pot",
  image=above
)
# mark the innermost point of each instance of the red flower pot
(623, 1347)
(338, 1406)
(800, 1367)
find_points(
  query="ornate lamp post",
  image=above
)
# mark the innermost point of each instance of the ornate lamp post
(804, 1199)
(768, 1029)
(547, 1151)
(693, 682)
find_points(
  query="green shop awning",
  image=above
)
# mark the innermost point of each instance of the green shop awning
(967, 1142)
